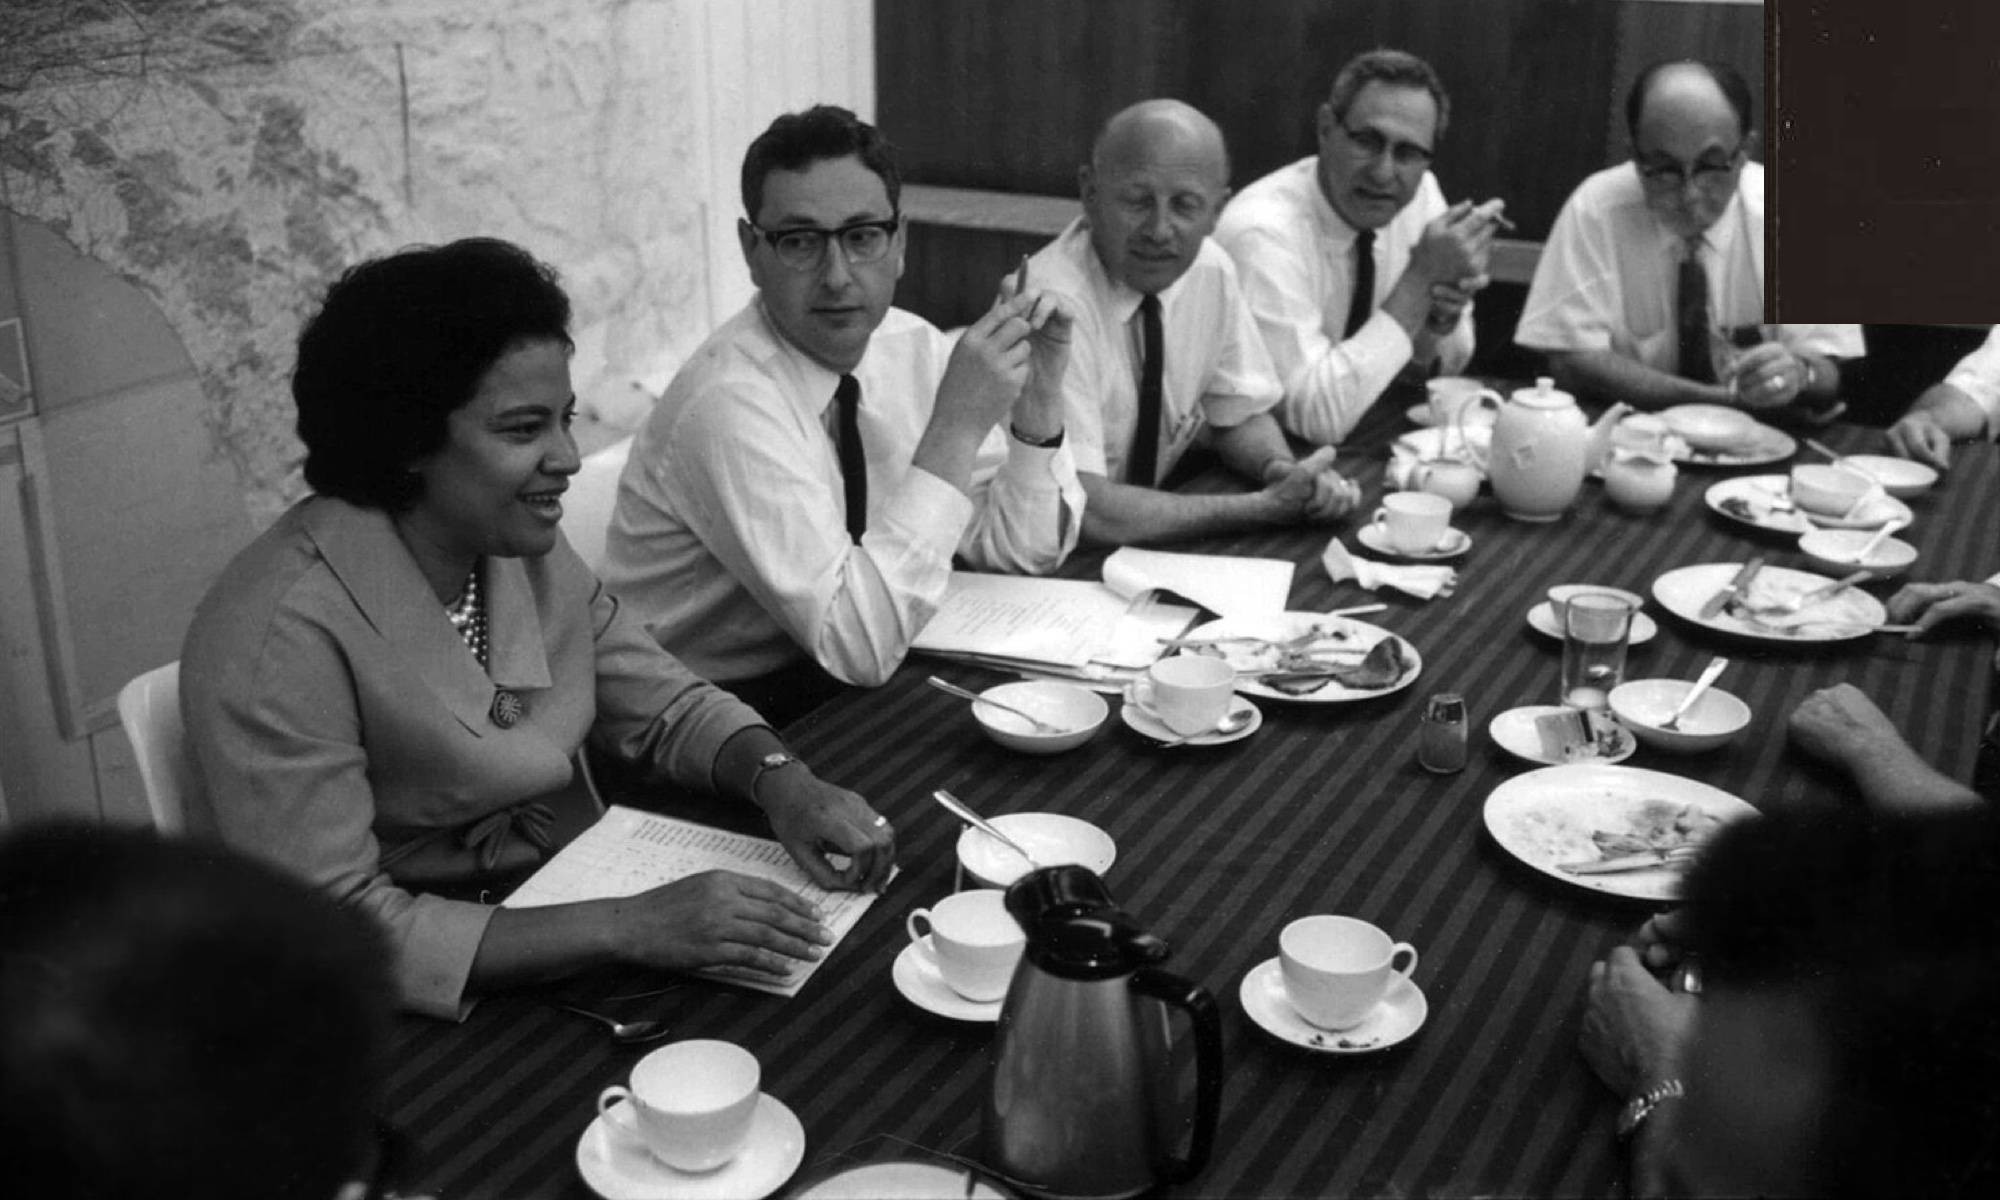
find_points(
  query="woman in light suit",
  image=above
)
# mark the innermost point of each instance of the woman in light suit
(387, 692)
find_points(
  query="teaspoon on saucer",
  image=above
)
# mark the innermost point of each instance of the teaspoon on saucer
(1230, 723)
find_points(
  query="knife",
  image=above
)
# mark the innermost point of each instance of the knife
(1677, 857)
(1734, 590)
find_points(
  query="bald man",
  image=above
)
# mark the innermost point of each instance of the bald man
(1164, 351)
(1650, 289)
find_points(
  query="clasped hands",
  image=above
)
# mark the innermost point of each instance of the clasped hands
(1453, 254)
(1309, 490)
(1635, 1027)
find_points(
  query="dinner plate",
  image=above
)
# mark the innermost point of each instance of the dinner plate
(1052, 838)
(902, 1180)
(1713, 436)
(916, 976)
(1481, 414)
(1340, 632)
(620, 1168)
(1456, 542)
(1753, 500)
(1546, 816)
(1514, 731)
(1400, 1013)
(1851, 614)
(1145, 724)
(1542, 619)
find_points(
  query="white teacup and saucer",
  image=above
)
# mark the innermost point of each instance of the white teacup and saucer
(697, 1101)
(961, 964)
(1189, 698)
(1344, 971)
(1414, 525)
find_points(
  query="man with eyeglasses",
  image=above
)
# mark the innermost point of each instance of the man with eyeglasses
(1354, 265)
(788, 516)
(1164, 351)
(1650, 289)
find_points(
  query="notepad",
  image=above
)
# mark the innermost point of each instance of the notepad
(628, 851)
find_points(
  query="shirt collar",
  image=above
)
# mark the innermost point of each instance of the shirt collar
(816, 381)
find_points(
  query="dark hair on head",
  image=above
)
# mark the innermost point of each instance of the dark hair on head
(400, 342)
(179, 1021)
(1735, 89)
(797, 140)
(1891, 928)
(1396, 68)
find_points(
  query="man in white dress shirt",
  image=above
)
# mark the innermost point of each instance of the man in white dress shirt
(1965, 406)
(1164, 352)
(1652, 279)
(788, 516)
(1356, 269)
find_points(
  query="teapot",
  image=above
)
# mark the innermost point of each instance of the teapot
(1541, 444)
(1083, 1102)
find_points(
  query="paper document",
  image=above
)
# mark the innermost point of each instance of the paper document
(629, 851)
(1045, 622)
(1226, 586)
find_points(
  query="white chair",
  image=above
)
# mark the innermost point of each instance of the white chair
(149, 707)
(593, 493)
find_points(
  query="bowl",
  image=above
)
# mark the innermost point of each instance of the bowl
(1900, 477)
(1828, 490)
(1832, 551)
(1054, 840)
(1078, 711)
(1711, 428)
(1643, 704)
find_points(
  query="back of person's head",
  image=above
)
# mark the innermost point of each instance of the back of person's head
(1891, 927)
(177, 1021)
(1728, 79)
(797, 140)
(1393, 68)
(400, 342)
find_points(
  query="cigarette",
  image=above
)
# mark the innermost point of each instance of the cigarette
(1021, 277)
(1491, 211)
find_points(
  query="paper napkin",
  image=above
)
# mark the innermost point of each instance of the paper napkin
(1422, 581)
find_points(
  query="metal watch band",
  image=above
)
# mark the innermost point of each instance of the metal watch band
(1641, 1106)
(770, 762)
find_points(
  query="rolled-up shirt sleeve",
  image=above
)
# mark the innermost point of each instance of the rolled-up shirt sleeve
(1242, 381)
(1978, 376)
(1027, 506)
(1574, 302)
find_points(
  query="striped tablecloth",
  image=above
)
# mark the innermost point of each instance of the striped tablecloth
(1323, 810)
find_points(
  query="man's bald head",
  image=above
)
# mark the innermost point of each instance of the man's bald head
(1689, 89)
(1690, 137)
(1157, 179)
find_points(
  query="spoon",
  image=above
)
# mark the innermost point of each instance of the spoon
(624, 1032)
(957, 808)
(1840, 460)
(1873, 544)
(955, 690)
(1714, 668)
(1230, 723)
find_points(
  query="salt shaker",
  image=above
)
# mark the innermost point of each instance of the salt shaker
(1441, 736)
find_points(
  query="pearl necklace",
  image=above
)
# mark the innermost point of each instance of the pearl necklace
(467, 614)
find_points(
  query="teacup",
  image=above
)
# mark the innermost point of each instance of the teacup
(1337, 969)
(1188, 693)
(974, 942)
(1453, 398)
(1456, 479)
(1413, 522)
(689, 1104)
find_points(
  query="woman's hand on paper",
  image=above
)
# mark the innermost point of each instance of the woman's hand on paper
(720, 919)
(815, 820)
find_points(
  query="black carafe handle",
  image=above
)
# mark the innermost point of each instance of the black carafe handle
(1207, 1020)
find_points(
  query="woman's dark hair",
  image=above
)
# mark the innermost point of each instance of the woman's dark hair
(401, 342)
(1891, 928)
(179, 1021)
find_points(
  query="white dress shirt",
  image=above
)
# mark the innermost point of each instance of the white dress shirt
(1295, 257)
(1216, 369)
(1978, 376)
(729, 537)
(1609, 271)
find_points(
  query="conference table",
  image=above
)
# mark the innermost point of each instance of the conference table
(1323, 810)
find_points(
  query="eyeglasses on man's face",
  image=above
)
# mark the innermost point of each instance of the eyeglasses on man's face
(1369, 145)
(803, 247)
(1708, 171)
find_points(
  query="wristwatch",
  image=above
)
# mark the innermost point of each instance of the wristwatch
(765, 765)
(1641, 1106)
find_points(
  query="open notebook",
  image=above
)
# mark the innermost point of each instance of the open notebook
(629, 851)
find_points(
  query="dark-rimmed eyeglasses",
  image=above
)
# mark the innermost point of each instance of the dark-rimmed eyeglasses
(1370, 145)
(1665, 173)
(803, 247)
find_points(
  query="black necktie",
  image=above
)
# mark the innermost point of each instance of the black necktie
(853, 463)
(1152, 368)
(1692, 316)
(1361, 301)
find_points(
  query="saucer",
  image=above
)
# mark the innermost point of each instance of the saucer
(1514, 731)
(1147, 725)
(619, 1168)
(1456, 542)
(1400, 1014)
(917, 978)
(1542, 619)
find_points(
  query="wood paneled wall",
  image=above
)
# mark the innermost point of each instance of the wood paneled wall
(1006, 94)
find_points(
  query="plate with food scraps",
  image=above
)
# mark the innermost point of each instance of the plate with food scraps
(1765, 502)
(1713, 436)
(1761, 613)
(1583, 815)
(1309, 657)
(1553, 734)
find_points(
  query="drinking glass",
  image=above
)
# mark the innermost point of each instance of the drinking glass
(1597, 628)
